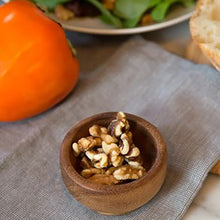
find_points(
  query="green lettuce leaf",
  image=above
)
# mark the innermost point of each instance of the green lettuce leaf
(131, 11)
(160, 11)
(50, 4)
(106, 14)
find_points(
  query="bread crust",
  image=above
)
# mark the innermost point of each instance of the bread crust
(194, 53)
(210, 52)
(216, 169)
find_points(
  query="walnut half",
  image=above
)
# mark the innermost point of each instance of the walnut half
(91, 171)
(85, 144)
(125, 144)
(118, 126)
(127, 172)
(114, 153)
(104, 179)
(99, 160)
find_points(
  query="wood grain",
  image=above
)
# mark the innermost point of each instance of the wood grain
(194, 53)
(116, 199)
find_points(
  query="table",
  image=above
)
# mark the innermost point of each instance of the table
(174, 39)
(206, 204)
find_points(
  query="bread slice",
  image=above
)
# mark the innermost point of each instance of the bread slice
(216, 169)
(205, 29)
(194, 53)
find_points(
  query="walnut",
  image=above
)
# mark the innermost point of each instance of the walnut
(89, 142)
(63, 13)
(91, 171)
(97, 131)
(76, 149)
(109, 148)
(100, 160)
(85, 144)
(97, 141)
(127, 147)
(100, 150)
(118, 126)
(115, 128)
(90, 154)
(125, 144)
(110, 170)
(108, 138)
(126, 172)
(116, 160)
(85, 163)
(135, 162)
(114, 153)
(122, 117)
(104, 179)
(130, 135)
(134, 152)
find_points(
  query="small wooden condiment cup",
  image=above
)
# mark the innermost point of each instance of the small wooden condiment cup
(123, 198)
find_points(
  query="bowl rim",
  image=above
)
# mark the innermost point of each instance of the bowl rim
(71, 172)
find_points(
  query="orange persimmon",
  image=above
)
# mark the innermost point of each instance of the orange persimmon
(37, 68)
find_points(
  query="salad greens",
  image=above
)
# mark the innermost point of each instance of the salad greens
(132, 10)
(106, 13)
(160, 11)
(128, 9)
(126, 13)
(50, 4)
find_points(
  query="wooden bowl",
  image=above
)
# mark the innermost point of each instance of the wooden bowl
(116, 199)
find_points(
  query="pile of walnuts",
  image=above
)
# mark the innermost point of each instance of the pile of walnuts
(108, 155)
